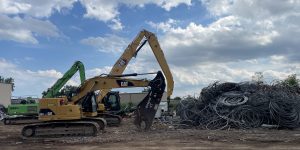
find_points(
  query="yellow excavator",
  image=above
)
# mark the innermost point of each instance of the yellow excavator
(79, 114)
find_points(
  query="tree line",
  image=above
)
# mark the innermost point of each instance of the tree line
(9, 80)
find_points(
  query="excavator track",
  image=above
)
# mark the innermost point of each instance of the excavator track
(20, 120)
(87, 127)
(112, 120)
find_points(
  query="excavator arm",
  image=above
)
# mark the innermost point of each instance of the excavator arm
(132, 50)
(77, 66)
(99, 82)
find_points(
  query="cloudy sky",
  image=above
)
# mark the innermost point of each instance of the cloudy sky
(203, 40)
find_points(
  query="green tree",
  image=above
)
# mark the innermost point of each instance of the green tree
(177, 98)
(9, 80)
(1, 79)
(67, 90)
(291, 81)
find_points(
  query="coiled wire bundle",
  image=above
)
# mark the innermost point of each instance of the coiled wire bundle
(242, 105)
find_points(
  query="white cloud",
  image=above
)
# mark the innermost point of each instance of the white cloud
(100, 9)
(271, 75)
(164, 26)
(34, 8)
(251, 8)
(4, 64)
(191, 79)
(31, 25)
(97, 71)
(76, 28)
(46, 8)
(165, 4)
(116, 25)
(25, 30)
(13, 7)
(45, 73)
(244, 37)
(107, 44)
(218, 8)
(23, 36)
(28, 82)
(198, 43)
(277, 59)
(108, 11)
(229, 38)
(168, 5)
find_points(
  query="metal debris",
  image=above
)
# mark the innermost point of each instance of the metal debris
(2, 112)
(242, 105)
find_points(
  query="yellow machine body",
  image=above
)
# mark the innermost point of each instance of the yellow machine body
(58, 109)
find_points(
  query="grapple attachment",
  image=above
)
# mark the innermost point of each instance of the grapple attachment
(147, 108)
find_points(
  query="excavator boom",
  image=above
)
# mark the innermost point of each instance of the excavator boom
(132, 50)
(77, 66)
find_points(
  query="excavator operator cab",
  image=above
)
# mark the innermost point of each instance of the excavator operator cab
(112, 101)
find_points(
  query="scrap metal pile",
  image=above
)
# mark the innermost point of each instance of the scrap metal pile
(242, 105)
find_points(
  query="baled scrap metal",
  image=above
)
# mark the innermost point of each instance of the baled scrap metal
(242, 105)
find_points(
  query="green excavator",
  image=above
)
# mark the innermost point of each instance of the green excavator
(27, 111)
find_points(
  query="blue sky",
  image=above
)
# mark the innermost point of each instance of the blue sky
(59, 53)
(203, 40)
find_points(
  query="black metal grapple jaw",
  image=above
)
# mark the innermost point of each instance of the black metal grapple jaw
(147, 108)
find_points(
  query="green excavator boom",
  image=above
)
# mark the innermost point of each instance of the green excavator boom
(77, 66)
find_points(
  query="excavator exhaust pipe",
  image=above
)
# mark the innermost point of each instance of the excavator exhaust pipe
(147, 108)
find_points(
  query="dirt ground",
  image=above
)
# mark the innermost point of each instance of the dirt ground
(126, 137)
